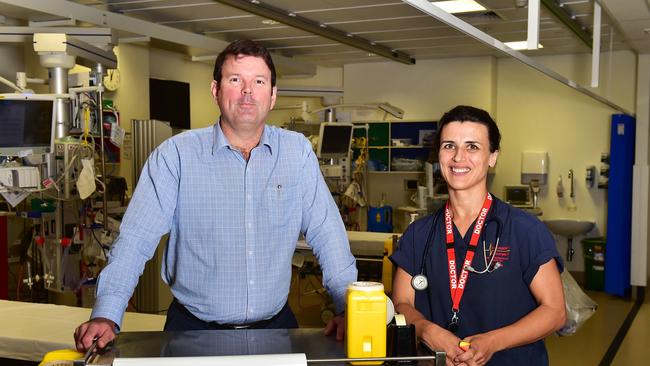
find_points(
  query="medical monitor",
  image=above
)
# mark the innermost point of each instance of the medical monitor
(334, 140)
(518, 196)
(27, 123)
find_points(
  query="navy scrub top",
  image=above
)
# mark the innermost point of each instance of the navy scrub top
(491, 300)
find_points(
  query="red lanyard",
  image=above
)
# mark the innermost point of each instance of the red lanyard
(457, 286)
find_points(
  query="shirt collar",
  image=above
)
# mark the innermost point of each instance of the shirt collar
(220, 140)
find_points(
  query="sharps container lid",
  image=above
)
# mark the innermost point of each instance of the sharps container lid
(366, 286)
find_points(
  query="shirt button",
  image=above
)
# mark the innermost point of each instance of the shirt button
(248, 197)
(251, 282)
(250, 225)
(250, 252)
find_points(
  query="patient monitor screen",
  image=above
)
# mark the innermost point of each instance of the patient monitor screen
(334, 140)
(25, 125)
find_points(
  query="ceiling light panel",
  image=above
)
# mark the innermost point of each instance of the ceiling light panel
(520, 45)
(459, 6)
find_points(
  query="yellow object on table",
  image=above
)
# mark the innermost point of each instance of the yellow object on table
(61, 357)
(366, 321)
(464, 345)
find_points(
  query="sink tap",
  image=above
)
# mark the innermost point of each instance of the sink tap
(572, 192)
(534, 188)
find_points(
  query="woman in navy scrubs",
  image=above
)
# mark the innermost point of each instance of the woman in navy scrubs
(480, 279)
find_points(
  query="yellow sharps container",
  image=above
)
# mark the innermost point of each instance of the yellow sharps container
(366, 321)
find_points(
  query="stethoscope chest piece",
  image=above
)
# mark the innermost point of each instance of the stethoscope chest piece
(420, 282)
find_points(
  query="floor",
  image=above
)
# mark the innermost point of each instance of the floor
(634, 348)
(586, 347)
(590, 343)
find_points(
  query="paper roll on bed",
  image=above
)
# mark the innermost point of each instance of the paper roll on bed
(291, 359)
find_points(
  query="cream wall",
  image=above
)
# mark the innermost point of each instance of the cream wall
(132, 97)
(325, 77)
(33, 68)
(617, 74)
(12, 61)
(534, 113)
(425, 90)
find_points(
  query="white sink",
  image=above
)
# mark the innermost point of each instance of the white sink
(569, 227)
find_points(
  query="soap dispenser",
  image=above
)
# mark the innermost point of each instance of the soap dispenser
(559, 190)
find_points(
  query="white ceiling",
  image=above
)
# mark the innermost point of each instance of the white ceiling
(633, 18)
(388, 23)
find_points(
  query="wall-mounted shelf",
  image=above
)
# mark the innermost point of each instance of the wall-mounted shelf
(396, 146)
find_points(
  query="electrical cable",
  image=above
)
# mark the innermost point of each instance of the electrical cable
(99, 243)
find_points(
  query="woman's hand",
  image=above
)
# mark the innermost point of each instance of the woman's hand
(481, 349)
(441, 339)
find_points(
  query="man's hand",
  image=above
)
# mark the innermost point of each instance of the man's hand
(100, 328)
(337, 324)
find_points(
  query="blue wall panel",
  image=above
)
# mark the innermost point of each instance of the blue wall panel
(619, 207)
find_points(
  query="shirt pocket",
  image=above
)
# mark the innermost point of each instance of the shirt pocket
(283, 202)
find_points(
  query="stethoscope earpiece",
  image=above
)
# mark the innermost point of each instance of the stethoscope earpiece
(496, 266)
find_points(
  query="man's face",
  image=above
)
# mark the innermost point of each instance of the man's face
(244, 93)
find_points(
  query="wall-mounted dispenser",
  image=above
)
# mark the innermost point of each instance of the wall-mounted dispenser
(559, 190)
(534, 166)
(603, 177)
(590, 176)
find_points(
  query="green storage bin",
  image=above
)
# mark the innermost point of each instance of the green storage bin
(594, 253)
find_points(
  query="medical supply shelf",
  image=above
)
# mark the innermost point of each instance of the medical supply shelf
(387, 140)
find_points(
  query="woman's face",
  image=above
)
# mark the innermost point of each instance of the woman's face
(465, 155)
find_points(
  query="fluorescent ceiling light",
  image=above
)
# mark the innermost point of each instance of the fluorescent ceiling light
(459, 6)
(520, 45)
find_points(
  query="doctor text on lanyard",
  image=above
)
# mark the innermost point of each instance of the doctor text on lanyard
(457, 284)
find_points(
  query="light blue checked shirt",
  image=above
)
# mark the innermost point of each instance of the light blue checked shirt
(233, 227)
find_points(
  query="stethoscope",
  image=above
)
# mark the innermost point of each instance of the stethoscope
(420, 281)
